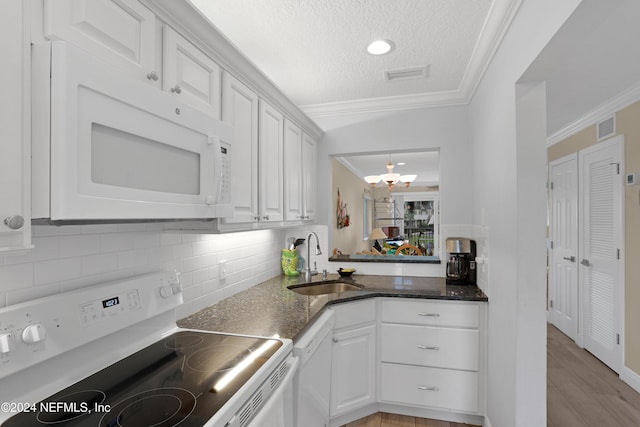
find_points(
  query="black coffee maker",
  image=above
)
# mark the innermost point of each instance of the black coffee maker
(461, 265)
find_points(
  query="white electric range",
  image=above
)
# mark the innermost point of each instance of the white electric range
(111, 355)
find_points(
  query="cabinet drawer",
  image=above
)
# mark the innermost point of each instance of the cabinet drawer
(429, 312)
(433, 387)
(354, 313)
(429, 346)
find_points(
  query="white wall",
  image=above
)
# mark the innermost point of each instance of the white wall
(509, 168)
(444, 128)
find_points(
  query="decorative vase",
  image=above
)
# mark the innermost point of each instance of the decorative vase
(289, 262)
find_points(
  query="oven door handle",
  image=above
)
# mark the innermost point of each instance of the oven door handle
(275, 409)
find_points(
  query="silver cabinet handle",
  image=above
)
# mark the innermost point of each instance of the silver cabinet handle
(429, 314)
(153, 76)
(428, 347)
(585, 262)
(570, 258)
(422, 387)
(266, 217)
(335, 340)
(14, 222)
(176, 89)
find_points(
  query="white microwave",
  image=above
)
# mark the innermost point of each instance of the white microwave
(110, 148)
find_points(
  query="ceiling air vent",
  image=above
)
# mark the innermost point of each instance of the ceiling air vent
(408, 73)
(607, 127)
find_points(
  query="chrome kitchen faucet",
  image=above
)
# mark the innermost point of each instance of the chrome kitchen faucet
(308, 273)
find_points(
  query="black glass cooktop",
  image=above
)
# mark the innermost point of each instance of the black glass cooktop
(183, 380)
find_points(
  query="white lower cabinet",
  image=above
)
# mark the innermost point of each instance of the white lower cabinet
(422, 357)
(446, 389)
(353, 367)
(431, 354)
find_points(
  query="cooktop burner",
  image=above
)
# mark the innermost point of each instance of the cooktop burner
(183, 380)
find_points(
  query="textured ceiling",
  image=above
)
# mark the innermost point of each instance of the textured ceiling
(315, 50)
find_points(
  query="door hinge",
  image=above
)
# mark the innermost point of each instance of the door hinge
(551, 185)
(617, 253)
(550, 303)
(551, 244)
(618, 168)
(618, 339)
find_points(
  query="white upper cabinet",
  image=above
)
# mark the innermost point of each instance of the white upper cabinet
(271, 168)
(190, 74)
(309, 157)
(240, 110)
(299, 174)
(293, 185)
(15, 201)
(121, 32)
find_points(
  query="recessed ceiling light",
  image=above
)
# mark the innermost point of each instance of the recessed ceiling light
(380, 47)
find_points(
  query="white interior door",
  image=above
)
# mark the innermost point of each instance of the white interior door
(601, 275)
(563, 292)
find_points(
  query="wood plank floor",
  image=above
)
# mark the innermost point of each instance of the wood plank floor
(382, 419)
(584, 392)
(581, 392)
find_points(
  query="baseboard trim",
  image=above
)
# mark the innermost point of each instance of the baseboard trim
(487, 422)
(631, 378)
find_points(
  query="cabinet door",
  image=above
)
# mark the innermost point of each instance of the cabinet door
(353, 370)
(240, 110)
(15, 207)
(270, 151)
(292, 171)
(122, 32)
(190, 74)
(308, 177)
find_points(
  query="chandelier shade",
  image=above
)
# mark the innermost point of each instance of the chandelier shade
(390, 178)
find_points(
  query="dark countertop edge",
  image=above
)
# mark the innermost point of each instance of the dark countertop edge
(386, 260)
(398, 294)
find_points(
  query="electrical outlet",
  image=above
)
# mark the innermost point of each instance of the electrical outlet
(223, 269)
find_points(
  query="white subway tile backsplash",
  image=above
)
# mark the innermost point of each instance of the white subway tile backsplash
(72, 257)
(57, 270)
(28, 294)
(146, 240)
(170, 239)
(44, 248)
(193, 263)
(84, 244)
(115, 242)
(16, 276)
(97, 264)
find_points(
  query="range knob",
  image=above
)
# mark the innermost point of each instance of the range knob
(33, 334)
(5, 343)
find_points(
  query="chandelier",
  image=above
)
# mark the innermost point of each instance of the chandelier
(390, 178)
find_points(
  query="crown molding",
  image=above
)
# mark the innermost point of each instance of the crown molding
(592, 117)
(391, 103)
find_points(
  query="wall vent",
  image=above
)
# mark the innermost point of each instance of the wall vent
(606, 127)
(408, 73)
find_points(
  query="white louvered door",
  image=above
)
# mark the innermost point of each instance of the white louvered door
(564, 262)
(601, 276)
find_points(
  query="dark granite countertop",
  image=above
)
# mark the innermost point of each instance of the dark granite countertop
(270, 308)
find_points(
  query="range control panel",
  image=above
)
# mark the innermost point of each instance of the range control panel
(37, 330)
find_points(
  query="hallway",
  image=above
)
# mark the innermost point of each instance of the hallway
(582, 391)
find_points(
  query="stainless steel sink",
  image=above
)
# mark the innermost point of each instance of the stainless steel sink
(325, 287)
